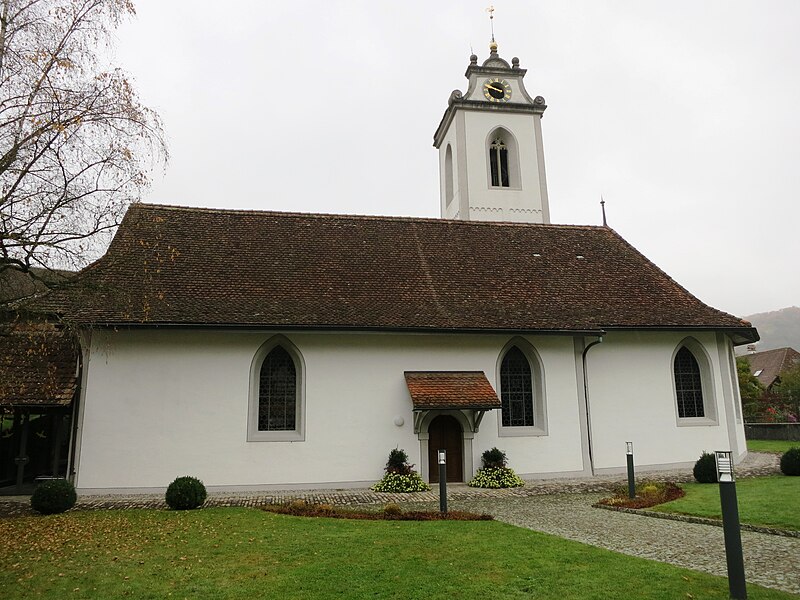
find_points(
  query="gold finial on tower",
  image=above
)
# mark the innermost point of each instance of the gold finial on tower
(493, 45)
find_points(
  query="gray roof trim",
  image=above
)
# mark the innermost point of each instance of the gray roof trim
(339, 328)
(476, 406)
(743, 335)
(477, 105)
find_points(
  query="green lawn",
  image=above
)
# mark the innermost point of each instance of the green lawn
(768, 501)
(775, 446)
(248, 553)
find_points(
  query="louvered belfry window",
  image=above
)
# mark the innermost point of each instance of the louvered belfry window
(516, 389)
(688, 385)
(498, 162)
(277, 392)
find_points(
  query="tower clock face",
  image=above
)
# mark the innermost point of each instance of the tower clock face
(497, 90)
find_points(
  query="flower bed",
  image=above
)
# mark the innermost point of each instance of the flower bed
(648, 493)
(391, 512)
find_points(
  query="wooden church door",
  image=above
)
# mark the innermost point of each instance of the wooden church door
(445, 432)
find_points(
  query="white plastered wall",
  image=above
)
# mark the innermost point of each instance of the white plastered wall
(632, 398)
(450, 210)
(521, 204)
(474, 199)
(162, 403)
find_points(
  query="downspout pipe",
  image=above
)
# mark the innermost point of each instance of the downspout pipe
(599, 340)
(76, 426)
(73, 422)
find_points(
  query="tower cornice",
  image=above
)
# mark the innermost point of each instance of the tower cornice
(457, 102)
(500, 71)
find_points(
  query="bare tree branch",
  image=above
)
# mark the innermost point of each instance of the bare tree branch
(76, 145)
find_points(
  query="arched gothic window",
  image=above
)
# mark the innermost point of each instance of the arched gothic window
(688, 384)
(516, 390)
(276, 406)
(277, 392)
(498, 163)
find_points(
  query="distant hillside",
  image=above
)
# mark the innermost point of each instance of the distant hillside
(778, 329)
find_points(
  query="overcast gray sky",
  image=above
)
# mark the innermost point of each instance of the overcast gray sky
(684, 115)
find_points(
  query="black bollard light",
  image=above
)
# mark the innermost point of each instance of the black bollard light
(631, 476)
(730, 525)
(443, 481)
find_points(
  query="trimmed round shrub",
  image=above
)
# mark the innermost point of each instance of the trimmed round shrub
(392, 510)
(298, 507)
(53, 496)
(705, 469)
(493, 459)
(398, 462)
(496, 477)
(649, 489)
(185, 493)
(790, 461)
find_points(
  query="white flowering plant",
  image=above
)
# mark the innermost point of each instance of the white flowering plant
(496, 477)
(400, 476)
(495, 473)
(397, 482)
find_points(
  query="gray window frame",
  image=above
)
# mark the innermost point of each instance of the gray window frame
(709, 418)
(540, 426)
(293, 435)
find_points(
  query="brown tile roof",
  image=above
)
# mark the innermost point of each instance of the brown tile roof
(16, 285)
(450, 389)
(771, 363)
(193, 266)
(38, 365)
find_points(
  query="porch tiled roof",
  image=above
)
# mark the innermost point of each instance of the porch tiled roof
(451, 389)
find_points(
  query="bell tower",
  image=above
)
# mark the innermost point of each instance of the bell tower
(491, 155)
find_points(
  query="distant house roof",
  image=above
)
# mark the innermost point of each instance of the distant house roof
(201, 267)
(769, 365)
(38, 365)
(431, 390)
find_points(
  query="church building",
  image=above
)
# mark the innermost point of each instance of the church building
(260, 350)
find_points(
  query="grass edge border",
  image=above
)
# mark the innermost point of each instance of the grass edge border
(643, 512)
